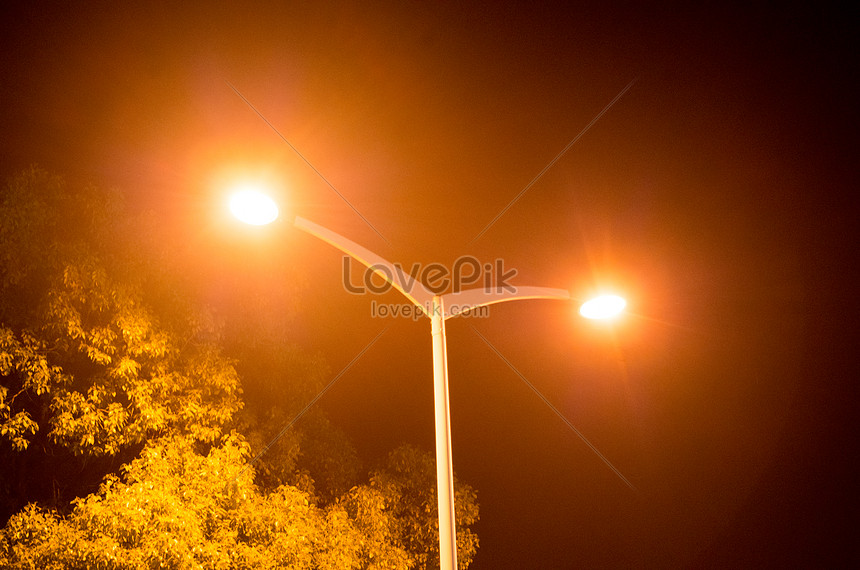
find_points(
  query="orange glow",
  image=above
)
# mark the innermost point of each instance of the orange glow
(603, 307)
(253, 207)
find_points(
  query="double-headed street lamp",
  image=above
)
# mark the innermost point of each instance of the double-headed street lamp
(255, 208)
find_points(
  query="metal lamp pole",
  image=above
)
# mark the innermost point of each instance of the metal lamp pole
(439, 308)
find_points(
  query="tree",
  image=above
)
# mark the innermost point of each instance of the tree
(98, 353)
(177, 508)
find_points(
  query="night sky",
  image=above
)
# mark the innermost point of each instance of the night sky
(715, 194)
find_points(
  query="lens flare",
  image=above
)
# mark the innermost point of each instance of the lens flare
(253, 207)
(603, 307)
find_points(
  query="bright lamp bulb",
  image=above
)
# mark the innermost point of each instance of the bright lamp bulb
(253, 207)
(603, 307)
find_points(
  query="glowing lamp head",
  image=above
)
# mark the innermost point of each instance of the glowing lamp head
(253, 207)
(603, 307)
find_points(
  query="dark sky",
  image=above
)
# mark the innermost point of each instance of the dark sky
(716, 194)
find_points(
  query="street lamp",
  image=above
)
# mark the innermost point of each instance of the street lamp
(439, 308)
(253, 207)
(603, 307)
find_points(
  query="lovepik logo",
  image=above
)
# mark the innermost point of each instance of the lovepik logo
(435, 277)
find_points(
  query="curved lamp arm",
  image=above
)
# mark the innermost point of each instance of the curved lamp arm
(462, 301)
(412, 289)
(453, 303)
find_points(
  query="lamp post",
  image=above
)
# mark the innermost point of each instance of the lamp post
(439, 308)
(254, 208)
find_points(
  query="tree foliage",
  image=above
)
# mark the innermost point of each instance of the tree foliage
(99, 351)
(123, 439)
(177, 508)
(90, 361)
(409, 479)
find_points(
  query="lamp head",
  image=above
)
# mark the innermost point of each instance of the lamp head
(603, 307)
(253, 207)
